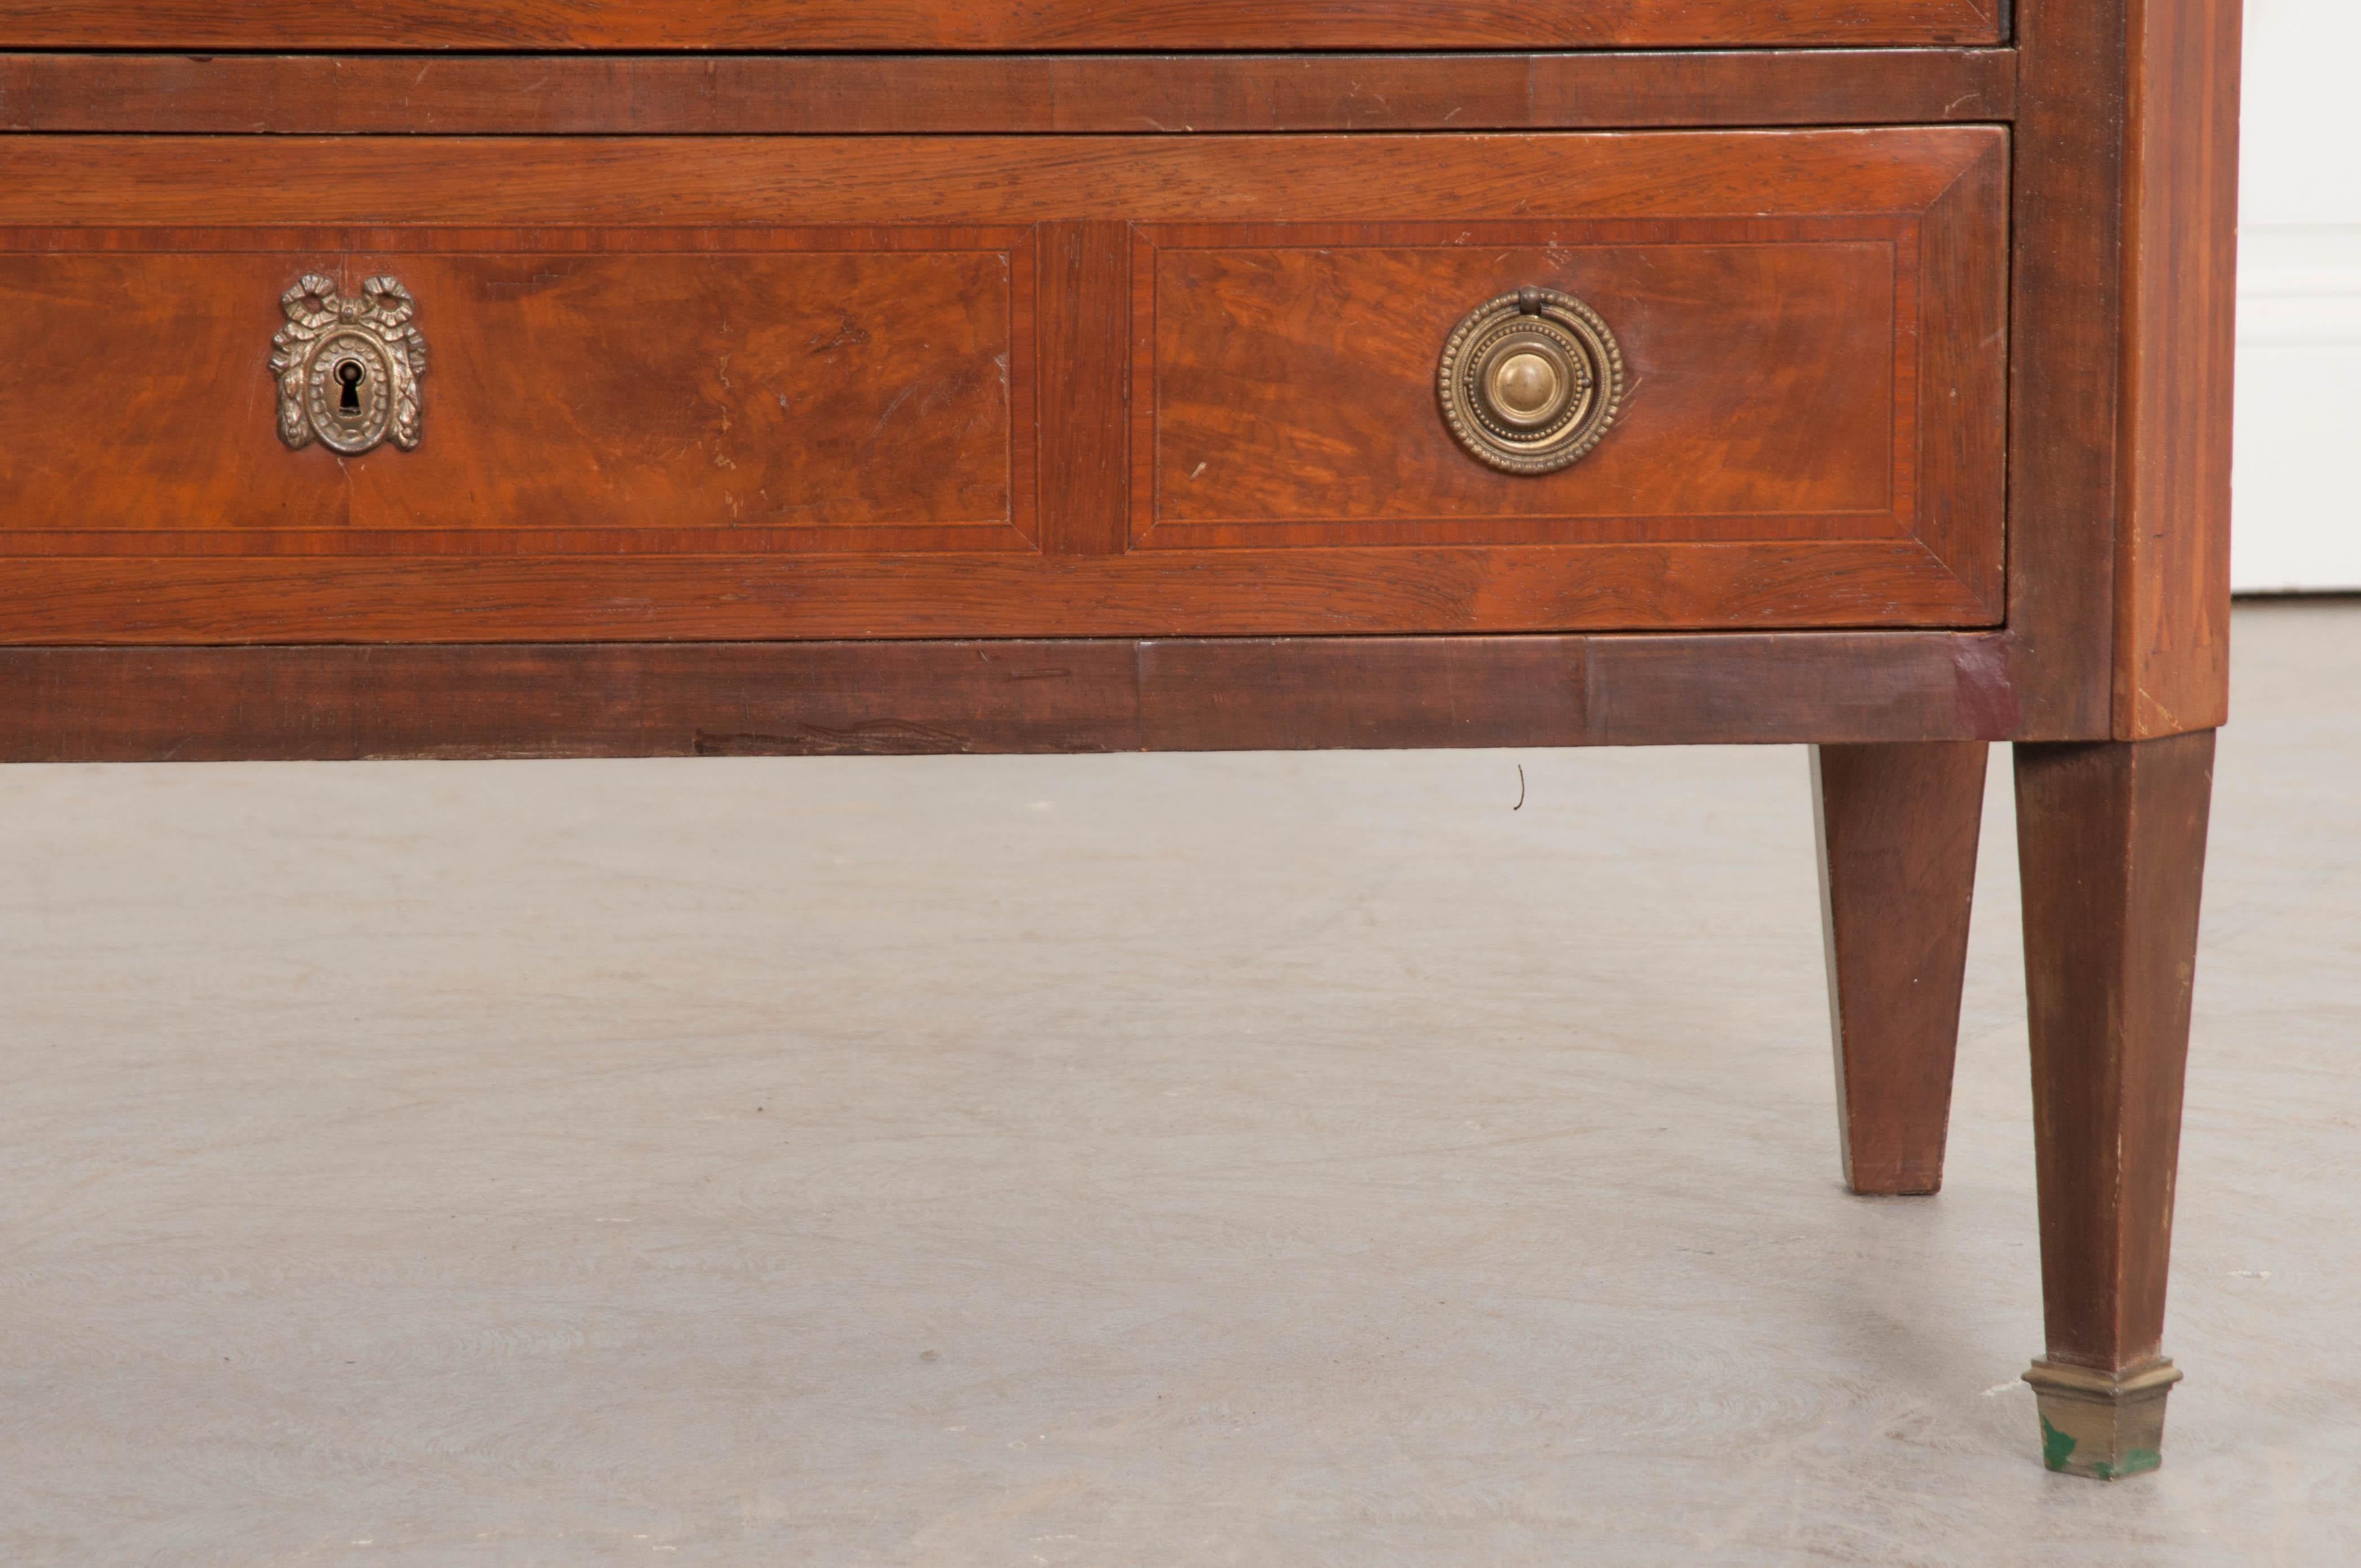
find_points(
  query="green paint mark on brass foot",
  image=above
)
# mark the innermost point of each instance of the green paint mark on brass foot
(2056, 1447)
(2101, 1425)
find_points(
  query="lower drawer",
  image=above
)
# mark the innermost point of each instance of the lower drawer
(381, 390)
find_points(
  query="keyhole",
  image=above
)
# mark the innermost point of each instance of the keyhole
(350, 375)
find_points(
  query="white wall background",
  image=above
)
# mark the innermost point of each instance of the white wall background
(2297, 479)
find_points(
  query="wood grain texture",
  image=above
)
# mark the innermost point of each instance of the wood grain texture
(2181, 260)
(127, 599)
(1962, 377)
(995, 95)
(2125, 204)
(1796, 380)
(115, 182)
(796, 25)
(1085, 291)
(1897, 830)
(1293, 379)
(774, 419)
(1857, 686)
(2111, 838)
(814, 698)
(670, 393)
(1316, 694)
(2066, 295)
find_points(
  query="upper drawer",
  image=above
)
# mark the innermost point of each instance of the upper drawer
(988, 23)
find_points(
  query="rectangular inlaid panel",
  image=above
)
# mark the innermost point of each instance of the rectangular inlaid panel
(1767, 390)
(740, 389)
(790, 25)
(666, 393)
(1818, 380)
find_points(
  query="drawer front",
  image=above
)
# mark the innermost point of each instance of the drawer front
(951, 386)
(986, 23)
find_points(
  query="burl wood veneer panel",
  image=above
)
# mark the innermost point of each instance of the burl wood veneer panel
(724, 389)
(670, 393)
(1293, 390)
(789, 24)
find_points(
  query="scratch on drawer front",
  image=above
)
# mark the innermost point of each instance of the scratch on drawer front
(538, 280)
(848, 334)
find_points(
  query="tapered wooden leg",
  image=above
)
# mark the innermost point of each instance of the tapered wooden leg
(1898, 828)
(2112, 840)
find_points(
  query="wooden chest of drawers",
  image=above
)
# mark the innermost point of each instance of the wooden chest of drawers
(601, 377)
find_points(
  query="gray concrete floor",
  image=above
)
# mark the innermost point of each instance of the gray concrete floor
(1135, 1160)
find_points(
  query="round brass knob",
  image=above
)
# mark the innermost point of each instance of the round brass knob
(1525, 387)
(1531, 381)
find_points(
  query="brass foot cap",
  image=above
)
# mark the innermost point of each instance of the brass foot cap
(2105, 1425)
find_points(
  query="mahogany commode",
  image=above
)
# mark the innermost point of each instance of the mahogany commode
(878, 375)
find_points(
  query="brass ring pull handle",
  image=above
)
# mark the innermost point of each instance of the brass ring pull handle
(349, 368)
(1531, 381)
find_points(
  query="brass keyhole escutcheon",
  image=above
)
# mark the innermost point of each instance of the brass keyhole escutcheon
(348, 365)
(1531, 381)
